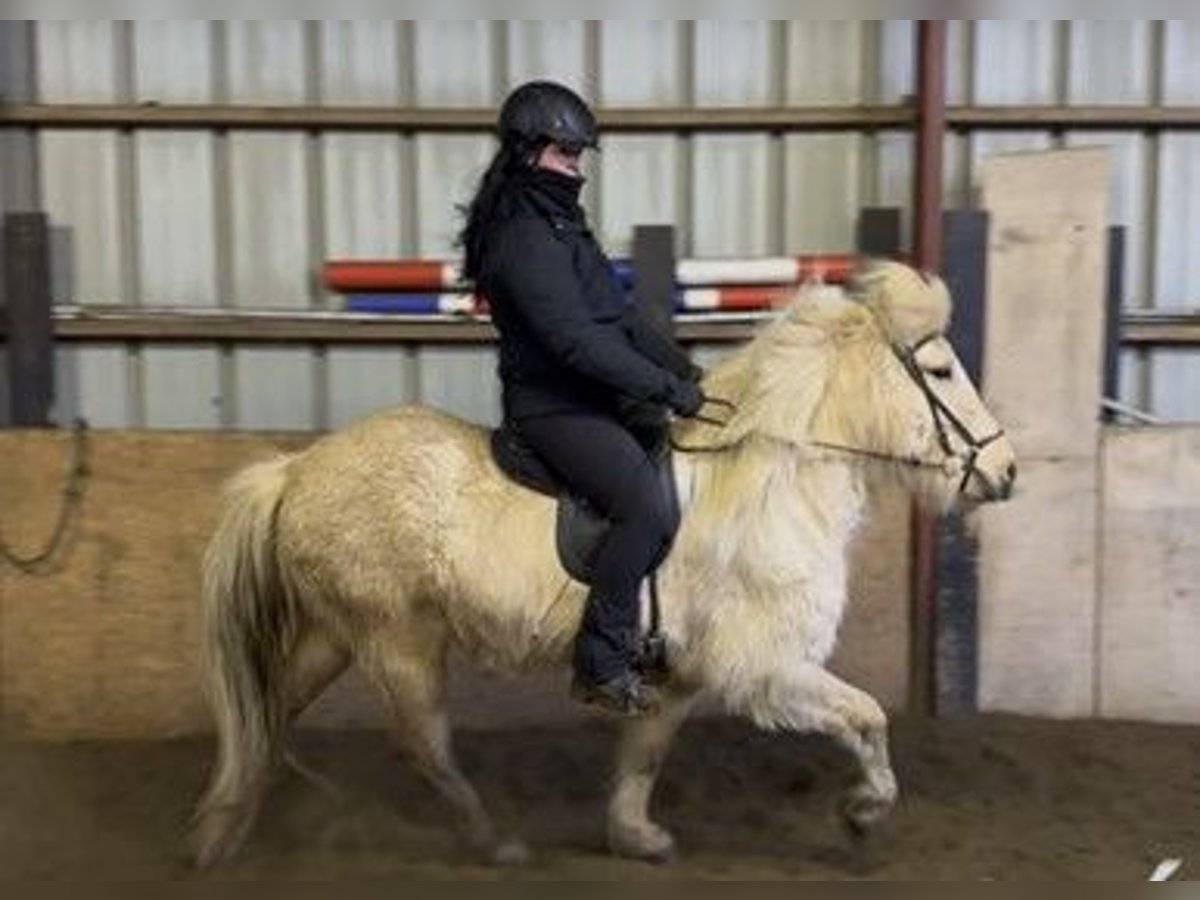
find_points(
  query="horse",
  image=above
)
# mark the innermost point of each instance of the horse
(386, 543)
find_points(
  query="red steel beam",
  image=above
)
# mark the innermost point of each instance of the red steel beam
(927, 254)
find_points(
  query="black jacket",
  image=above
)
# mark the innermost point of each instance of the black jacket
(570, 340)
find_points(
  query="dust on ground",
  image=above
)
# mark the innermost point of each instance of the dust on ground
(983, 797)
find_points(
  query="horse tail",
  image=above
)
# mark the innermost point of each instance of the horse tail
(249, 623)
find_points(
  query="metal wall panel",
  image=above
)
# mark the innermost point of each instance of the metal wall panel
(554, 50)
(1109, 62)
(638, 185)
(826, 62)
(1181, 62)
(173, 61)
(461, 381)
(456, 63)
(896, 64)
(1175, 374)
(186, 217)
(1015, 62)
(181, 386)
(361, 64)
(644, 63)
(736, 63)
(823, 191)
(448, 170)
(365, 379)
(731, 196)
(175, 222)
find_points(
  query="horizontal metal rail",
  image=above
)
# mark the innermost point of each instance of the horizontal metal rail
(209, 325)
(651, 119)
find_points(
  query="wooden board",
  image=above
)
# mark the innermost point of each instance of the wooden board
(1046, 296)
(1038, 593)
(105, 642)
(1149, 662)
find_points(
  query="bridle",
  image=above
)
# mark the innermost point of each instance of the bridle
(945, 421)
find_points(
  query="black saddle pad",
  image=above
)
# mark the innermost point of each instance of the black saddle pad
(579, 528)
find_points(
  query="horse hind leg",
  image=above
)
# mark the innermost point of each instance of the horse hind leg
(644, 745)
(413, 688)
(225, 819)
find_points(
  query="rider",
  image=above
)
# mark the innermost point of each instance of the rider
(582, 371)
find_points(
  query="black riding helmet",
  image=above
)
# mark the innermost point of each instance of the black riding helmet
(544, 111)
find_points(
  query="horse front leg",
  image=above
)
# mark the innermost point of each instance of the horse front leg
(644, 745)
(809, 698)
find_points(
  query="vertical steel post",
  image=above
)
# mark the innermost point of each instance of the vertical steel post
(927, 254)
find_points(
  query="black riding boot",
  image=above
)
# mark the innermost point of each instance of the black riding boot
(605, 663)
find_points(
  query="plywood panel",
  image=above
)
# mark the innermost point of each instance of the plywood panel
(1150, 611)
(1037, 593)
(1046, 252)
(104, 644)
(872, 648)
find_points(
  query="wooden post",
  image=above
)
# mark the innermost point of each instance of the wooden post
(654, 271)
(1112, 320)
(956, 664)
(30, 334)
(878, 231)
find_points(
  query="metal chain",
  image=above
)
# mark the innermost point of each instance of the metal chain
(72, 494)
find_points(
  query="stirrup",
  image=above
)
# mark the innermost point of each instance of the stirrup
(625, 695)
(650, 660)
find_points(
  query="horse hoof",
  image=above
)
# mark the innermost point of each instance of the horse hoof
(511, 853)
(862, 816)
(648, 843)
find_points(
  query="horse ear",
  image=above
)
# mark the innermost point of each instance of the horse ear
(865, 276)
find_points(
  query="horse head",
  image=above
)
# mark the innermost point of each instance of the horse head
(867, 373)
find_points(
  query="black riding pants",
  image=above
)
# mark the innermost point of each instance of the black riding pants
(599, 460)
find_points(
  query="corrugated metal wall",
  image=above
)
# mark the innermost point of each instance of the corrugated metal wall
(243, 219)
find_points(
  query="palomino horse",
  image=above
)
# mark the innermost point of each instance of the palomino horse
(387, 542)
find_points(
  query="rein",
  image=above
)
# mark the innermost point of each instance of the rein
(943, 416)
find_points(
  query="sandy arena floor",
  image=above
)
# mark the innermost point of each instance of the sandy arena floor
(983, 798)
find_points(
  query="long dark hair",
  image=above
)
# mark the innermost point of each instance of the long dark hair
(511, 159)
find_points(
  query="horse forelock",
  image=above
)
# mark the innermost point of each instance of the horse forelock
(909, 304)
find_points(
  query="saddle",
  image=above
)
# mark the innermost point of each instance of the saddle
(579, 527)
(580, 530)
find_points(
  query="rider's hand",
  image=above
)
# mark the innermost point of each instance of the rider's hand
(685, 398)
